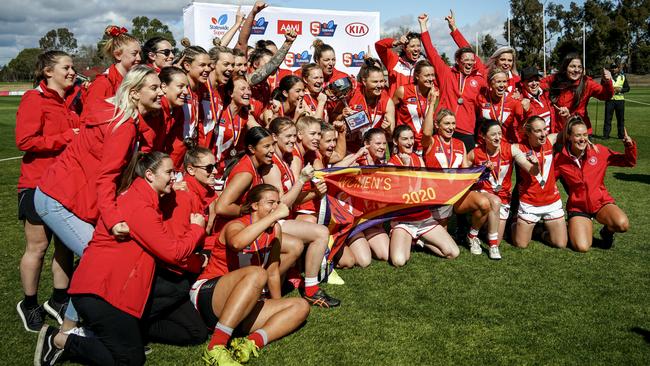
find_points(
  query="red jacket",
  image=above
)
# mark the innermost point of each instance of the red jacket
(104, 86)
(44, 124)
(602, 91)
(122, 272)
(584, 183)
(400, 71)
(449, 82)
(84, 178)
(179, 205)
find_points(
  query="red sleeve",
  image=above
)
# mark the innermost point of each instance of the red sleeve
(117, 149)
(602, 91)
(384, 48)
(442, 69)
(147, 228)
(626, 159)
(545, 82)
(461, 42)
(98, 90)
(29, 127)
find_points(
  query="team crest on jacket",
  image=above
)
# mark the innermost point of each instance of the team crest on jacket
(593, 160)
(473, 83)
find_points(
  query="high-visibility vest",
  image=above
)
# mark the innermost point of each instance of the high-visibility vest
(618, 83)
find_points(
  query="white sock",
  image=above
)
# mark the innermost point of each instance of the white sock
(473, 232)
(311, 281)
(223, 328)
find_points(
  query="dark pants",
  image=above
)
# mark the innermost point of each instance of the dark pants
(169, 318)
(612, 106)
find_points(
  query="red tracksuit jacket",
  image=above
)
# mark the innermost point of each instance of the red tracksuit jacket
(122, 272)
(44, 124)
(584, 183)
(104, 86)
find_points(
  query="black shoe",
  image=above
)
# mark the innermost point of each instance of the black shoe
(607, 238)
(605, 138)
(46, 352)
(56, 310)
(33, 319)
(321, 299)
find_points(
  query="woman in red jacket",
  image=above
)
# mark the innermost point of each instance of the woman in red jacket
(45, 124)
(248, 248)
(535, 100)
(315, 98)
(158, 53)
(400, 67)
(124, 50)
(81, 184)
(495, 103)
(570, 90)
(111, 286)
(581, 166)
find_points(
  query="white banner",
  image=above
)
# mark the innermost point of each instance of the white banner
(351, 34)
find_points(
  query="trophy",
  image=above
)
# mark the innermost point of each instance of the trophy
(339, 90)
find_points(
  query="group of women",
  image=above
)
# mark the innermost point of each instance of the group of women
(186, 182)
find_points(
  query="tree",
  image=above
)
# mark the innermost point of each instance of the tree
(525, 30)
(144, 29)
(488, 46)
(59, 39)
(22, 67)
(445, 58)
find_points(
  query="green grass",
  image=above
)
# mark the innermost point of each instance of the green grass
(538, 306)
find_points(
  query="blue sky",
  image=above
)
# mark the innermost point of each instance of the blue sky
(24, 22)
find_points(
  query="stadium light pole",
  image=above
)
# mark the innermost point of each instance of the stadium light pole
(584, 47)
(544, 34)
(509, 28)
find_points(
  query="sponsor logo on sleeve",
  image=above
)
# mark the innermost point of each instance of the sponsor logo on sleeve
(353, 59)
(259, 27)
(319, 29)
(297, 59)
(356, 29)
(285, 26)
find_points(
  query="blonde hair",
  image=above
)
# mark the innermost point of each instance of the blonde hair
(305, 121)
(492, 61)
(118, 38)
(125, 107)
(494, 72)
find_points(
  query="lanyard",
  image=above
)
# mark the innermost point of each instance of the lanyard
(287, 169)
(496, 172)
(422, 111)
(498, 117)
(461, 83)
(541, 165)
(451, 151)
(256, 243)
(374, 112)
(236, 131)
(311, 103)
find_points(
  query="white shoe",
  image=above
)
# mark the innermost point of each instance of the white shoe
(494, 253)
(475, 246)
(81, 332)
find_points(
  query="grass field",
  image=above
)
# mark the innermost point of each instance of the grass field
(538, 306)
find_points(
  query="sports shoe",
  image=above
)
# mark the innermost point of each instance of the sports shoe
(335, 279)
(33, 319)
(81, 332)
(147, 350)
(494, 253)
(56, 310)
(243, 348)
(218, 356)
(321, 299)
(475, 245)
(607, 238)
(46, 352)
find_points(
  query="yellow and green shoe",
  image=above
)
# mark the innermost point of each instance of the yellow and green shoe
(218, 356)
(243, 348)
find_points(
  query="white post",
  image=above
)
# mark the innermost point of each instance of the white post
(584, 48)
(544, 34)
(477, 53)
(508, 27)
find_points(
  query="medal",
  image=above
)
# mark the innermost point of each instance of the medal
(542, 182)
(497, 188)
(460, 101)
(233, 152)
(461, 88)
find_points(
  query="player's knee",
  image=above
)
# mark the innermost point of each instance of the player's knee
(621, 225)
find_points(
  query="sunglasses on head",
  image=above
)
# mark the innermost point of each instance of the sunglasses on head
(166, 52)
(208, 168)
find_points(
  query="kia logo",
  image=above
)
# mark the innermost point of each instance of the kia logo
(356, 29)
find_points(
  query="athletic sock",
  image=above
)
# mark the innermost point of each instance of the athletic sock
(492, 239)
(221, 335)
(311, 286)
(60, 295)
(473, 233)
(259, 337)
(31, 301)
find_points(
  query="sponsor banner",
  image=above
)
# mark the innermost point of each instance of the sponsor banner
(360, 197)
(349, 33)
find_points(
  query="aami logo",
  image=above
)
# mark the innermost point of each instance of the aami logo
(353, 60)
(319, 29)
(285, 26)
(356, 29)
(297, 59)
(259, 27)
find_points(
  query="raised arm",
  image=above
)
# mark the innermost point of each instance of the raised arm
(239, 236)
(427, 124)
(270, 67)
(528, 162)
(441, 67)
(245, 33)
(461, 41)
(604, 90)
(384, 48)
(239, 19)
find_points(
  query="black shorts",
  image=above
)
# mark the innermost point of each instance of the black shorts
(572, 214)
(204, 302)
(26, 209)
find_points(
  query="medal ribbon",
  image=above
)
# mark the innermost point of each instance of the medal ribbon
(498, 117)
(374, 112)
(451, 151)
(236, 131)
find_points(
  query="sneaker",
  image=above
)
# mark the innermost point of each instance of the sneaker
(81, 332)
(494, 253)
(46, 352)
(607, 238)
(218, 355)
(56, 310)
(335, 279)
(321, 299)
(243, 348)
(475, 245)
(33, 319)
(147, 350)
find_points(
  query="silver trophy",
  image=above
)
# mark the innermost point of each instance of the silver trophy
(339, 90)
